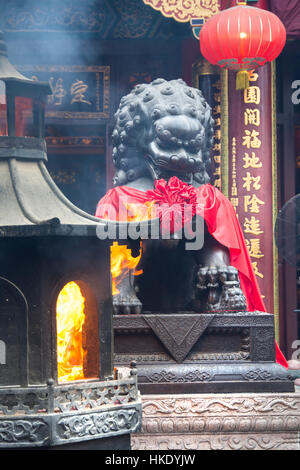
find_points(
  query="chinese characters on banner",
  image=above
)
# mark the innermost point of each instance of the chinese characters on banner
(207, 79)
(250, 172)
(216, 112)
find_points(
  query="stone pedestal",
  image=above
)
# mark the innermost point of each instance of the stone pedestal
(201, 353)
(260, 421)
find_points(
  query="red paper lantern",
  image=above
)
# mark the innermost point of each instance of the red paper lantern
(242, 38)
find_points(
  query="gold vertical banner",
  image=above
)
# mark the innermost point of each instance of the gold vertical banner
(224, 133)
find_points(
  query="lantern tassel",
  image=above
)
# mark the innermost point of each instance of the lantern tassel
(242, 80)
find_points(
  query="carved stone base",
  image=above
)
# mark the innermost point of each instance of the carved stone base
(220, 422)
(201, 353)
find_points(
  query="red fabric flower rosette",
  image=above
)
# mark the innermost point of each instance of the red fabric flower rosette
(176, 203)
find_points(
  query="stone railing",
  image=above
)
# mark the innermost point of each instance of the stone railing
(42, 416)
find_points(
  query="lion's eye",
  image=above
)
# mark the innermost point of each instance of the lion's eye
(194, 146)
(161, 143)
(166, 135)
(163, 133)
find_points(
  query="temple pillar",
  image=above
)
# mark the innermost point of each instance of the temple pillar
(206, 77)
(250, 173)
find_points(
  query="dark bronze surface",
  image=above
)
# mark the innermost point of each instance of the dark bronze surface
(201, 353)
(162, 129)
(165, 129)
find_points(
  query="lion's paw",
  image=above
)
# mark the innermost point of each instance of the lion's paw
(218, 289)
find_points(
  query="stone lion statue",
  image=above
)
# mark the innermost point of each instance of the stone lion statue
(165, 129)
(162, 129)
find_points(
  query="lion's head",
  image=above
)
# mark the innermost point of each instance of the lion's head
(162, 129)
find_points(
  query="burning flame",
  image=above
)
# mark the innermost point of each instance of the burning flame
(70, 318)
(121, 259)
(140, 212)
(131, 212)
(121, 262)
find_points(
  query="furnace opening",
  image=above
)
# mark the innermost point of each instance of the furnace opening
(77, 333)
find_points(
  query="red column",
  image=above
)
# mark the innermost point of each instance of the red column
(190, 53)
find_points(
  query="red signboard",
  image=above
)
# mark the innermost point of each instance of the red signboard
(251, 172)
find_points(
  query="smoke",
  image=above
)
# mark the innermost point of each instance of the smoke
(62, 33)
(74, 32)
(49, 32)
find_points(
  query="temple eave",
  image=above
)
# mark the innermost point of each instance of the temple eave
(35, 200)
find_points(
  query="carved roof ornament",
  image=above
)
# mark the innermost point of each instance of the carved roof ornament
(186, 10)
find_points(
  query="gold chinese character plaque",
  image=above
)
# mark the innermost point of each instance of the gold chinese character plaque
(78, 92)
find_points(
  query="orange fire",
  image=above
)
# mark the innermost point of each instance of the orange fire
(121, 262)
(140, 212)
(132, 212)
(70, 318)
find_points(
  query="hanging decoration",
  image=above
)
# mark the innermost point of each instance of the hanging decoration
(242, 38)
(183, 10)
